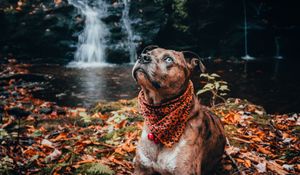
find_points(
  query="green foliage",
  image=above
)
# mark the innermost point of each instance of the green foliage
(114, 136)
(217, 87)
(96, 169)
(180, 15)
(6, 165)
(85, 117)
(117, 118)
(3, 134)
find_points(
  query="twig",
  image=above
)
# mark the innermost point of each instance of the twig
(104, 144)
(241, 140)
(105, 150)
(232, 159)
(278, 132)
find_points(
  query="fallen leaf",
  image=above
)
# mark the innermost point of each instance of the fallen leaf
(47, 143)
(53, 156)
(247, 163)
(261, 167)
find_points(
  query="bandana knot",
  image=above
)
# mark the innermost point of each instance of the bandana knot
(167, 121)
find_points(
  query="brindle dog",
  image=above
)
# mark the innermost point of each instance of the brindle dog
(164, 75)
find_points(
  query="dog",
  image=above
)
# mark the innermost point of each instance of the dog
(179, 135)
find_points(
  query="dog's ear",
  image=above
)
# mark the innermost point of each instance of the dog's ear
(193, 60)
(149, 48)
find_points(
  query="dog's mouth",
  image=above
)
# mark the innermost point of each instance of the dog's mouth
(136, 71)
(144, 77)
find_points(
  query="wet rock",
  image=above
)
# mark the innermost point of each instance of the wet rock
(60, 111)
(4, 94)
(45, 110)
(15, 94)
(1, 108)
(28, 105)
(2, 89)
(18, 112)
(3, 83)
(3, 61)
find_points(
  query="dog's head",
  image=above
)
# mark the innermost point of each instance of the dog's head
(165, 72)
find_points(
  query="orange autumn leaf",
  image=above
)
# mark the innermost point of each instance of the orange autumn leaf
(120, 151)
(30, 153)
(140, 125)
(260, 134)
(121, 124)
(247, 163)
(61, 136)
(239, 160)
(256, 139)
(56, 173)
(82, 162)
(232, 118)
(263, 150)
(65, 158)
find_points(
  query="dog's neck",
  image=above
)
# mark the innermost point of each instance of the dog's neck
(175, 113)
(155, 97)
(152, 97)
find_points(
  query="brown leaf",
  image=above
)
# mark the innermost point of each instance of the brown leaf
(227, 167)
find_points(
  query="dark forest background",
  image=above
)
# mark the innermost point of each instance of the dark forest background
(50, 29)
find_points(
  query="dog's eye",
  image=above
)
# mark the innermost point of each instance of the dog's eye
(168, 59)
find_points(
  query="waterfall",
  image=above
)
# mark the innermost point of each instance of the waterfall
(277, 55)
(91, 42)
(131, 45)
(246, 57)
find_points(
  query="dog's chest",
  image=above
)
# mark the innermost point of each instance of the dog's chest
(161, 159)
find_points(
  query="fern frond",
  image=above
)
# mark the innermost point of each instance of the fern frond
(96, 169)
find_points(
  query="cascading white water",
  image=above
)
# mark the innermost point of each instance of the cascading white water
(91, 42)
(277, 56)
(131, 45)
(247, 56)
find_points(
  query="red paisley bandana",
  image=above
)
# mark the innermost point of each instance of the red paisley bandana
(167, 121)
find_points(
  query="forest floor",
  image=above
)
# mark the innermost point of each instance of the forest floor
(39, 137)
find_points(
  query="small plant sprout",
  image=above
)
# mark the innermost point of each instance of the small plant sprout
(217, 87)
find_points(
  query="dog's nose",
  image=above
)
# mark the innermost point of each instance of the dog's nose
(144, 59)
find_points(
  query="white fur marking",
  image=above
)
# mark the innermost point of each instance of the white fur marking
(144, 160)
(170, 155)
(143, 153)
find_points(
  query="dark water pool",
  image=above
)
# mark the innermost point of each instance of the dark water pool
(84, 87)
(272, 84)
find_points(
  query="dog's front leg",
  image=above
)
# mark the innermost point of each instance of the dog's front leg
(139, 168)
(141, 171)
(191, 165)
